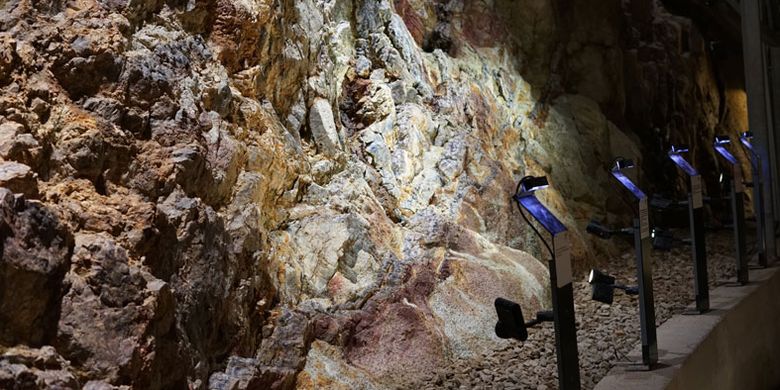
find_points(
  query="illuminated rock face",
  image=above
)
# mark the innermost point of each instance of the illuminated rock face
(265, 194)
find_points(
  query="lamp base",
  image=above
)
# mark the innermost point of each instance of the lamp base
(635, 366)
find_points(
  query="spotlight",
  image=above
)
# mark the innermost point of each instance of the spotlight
(679, 149)
(511, 324)
(598, 230)
(530, 184)
(603, 287)
(603, 293)
(598, 277)
(661, 203)
(662, 240)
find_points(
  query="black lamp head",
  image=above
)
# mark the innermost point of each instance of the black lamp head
(679, 149)
(598, 230)
(530, 184)
(602, 286)
(748, 135)
(604, 293)
(659, 202)
(722, 140)
(622, 163)
(598, 277)
(511, 324)
(662, 239)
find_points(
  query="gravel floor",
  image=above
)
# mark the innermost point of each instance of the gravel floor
(605, 333)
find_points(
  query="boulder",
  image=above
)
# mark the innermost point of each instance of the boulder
(19, 178)
(36, 254)
(323, 127)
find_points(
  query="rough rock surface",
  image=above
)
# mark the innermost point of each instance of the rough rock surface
(239, 194)
(605, 333)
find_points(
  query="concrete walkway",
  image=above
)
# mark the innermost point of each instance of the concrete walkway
(734, 346)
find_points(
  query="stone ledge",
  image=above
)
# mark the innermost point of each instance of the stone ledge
(734, 346)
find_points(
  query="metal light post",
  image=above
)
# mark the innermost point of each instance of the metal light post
(746, 139)
(560, 279)
(644, 269)
(696, 220)
(737, 206)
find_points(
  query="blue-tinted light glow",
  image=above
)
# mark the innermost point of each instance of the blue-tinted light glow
(541, 214)
(683, 164)
(626, 182)
(746, 142)
(726, 154)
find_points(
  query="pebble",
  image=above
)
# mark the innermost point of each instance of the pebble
(606, 334)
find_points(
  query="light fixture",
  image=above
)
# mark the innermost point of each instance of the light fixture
(675, 153)
(512, 325)
(720, 144)
(696, 225)
(746, 138)
(660, 202)
(662, 240)
(598, 277)
(597, 229)
(732, 183)
(622, 163)
(603, 287)
(560, 283)
(530, 184)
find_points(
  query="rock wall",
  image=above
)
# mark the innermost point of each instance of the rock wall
(234, 194)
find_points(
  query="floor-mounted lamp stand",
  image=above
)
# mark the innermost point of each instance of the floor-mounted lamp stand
(696, 221)
(560, 283)
(603, 286)
(737, 206)
(746, 139)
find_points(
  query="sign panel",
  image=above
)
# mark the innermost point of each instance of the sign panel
(562, 246)
(696, 192)
(644, 219)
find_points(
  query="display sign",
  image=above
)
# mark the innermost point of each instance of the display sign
(562, 247)
(644, 219)
(696, 192)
